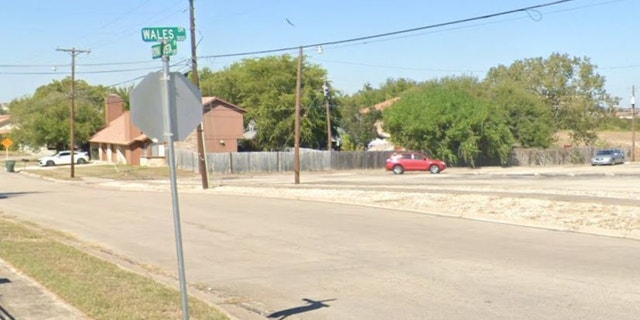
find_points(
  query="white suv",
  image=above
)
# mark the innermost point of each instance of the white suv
(64, 157)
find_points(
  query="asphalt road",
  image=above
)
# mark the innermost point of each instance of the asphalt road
(311, 260)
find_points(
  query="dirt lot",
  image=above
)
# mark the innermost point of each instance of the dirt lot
(601, 200)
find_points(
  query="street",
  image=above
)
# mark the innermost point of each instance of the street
(259, 257)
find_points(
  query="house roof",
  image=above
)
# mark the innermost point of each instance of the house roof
(209, 100)
(115, 132)
(380, 106)
(5, 124)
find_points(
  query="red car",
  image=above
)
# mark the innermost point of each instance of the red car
(413, 161)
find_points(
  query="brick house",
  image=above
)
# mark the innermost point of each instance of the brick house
(223, 127)
(122, 142)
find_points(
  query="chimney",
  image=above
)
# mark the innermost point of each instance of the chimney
(114, 107)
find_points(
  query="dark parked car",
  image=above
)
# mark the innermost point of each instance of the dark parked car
(413, 161)
(608, 156)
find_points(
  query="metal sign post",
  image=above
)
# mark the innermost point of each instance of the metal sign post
(7, 143)
(175, 91)
(167, 107)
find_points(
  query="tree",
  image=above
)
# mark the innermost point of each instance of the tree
(451, 122)
(266, 87)
(358, 126)
(124, 93)
(43, 119)
(528, 118)
(569, 86)
(391, 88)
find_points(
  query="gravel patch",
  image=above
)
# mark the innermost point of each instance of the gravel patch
(606, 218)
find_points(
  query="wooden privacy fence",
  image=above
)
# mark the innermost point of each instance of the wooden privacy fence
(314, 160)
(247, 162)
(555, 156)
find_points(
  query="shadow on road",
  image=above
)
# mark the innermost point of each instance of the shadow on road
(14, 194)
(312, 305)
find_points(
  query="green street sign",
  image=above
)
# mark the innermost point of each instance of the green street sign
(159, 34)
(168, 48)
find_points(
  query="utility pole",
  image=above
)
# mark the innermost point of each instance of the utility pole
(202, 155)
(73, 52)
(296, 147)
(633, 123)
(327, 95)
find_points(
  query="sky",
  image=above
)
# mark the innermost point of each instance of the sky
(604, 31)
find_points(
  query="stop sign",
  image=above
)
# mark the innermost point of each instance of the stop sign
(148, 111)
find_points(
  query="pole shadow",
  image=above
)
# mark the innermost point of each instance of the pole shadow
(14, 194)
(310, 306)
(5, 315)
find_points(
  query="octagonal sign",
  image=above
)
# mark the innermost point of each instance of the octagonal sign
(184, 111)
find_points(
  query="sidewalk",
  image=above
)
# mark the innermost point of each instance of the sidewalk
(23, 298)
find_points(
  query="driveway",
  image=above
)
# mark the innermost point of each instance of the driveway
(300, 259)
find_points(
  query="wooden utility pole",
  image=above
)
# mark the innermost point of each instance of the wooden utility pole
(72, 123)
(296, 147)
(327, 95)
(633, 123)
(202, 154)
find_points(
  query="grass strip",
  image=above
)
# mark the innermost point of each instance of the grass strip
(111, 171)
(100, 289)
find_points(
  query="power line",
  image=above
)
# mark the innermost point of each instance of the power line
(386, 34)
(397, 67)
(113, 63)
(79, 72)
(140, 77)
(99, 72)
(119, 35)
(126, 81)
(329, 43)
(31, 65)
(68, 65)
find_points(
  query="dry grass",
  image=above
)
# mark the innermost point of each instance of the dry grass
(110, 171)
(621, 139)
(16, 153)
(612, 138)
(98, 288)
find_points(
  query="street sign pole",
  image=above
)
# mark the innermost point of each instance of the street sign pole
(7, 143)
(167, 106)
(174, 90)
